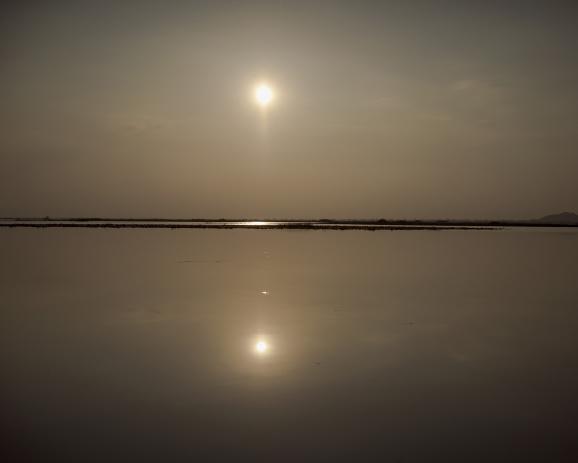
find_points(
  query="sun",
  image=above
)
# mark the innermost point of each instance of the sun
(264, 95)
(261, 347)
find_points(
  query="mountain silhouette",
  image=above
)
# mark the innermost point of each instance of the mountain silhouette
(562, 218)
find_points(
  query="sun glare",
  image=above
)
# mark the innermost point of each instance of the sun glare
(264, 95)
(261, 347)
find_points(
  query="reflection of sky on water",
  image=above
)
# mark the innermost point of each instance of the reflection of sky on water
(370, 340)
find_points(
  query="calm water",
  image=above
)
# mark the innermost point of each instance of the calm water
(270, 345)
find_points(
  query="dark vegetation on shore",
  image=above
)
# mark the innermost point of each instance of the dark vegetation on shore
(557, 220)
(566, 219)
(323, 224)
(221, 226)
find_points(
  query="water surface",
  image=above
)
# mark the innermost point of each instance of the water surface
(254, 345)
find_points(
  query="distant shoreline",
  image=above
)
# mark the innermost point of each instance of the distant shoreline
(291, 224)
(261, 223)
(249, 227)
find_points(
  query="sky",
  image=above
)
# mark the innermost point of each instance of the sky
(396, 109)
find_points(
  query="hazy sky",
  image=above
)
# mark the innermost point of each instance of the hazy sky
(383, 109)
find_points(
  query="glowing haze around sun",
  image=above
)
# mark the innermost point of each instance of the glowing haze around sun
(264, 94)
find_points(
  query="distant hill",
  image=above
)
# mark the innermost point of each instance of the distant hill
(562, 218)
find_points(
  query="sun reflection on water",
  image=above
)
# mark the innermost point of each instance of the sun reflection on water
(253, 223)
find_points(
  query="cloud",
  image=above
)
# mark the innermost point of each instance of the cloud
(136, 123)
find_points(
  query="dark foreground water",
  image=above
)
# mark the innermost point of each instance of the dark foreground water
(270, 345)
